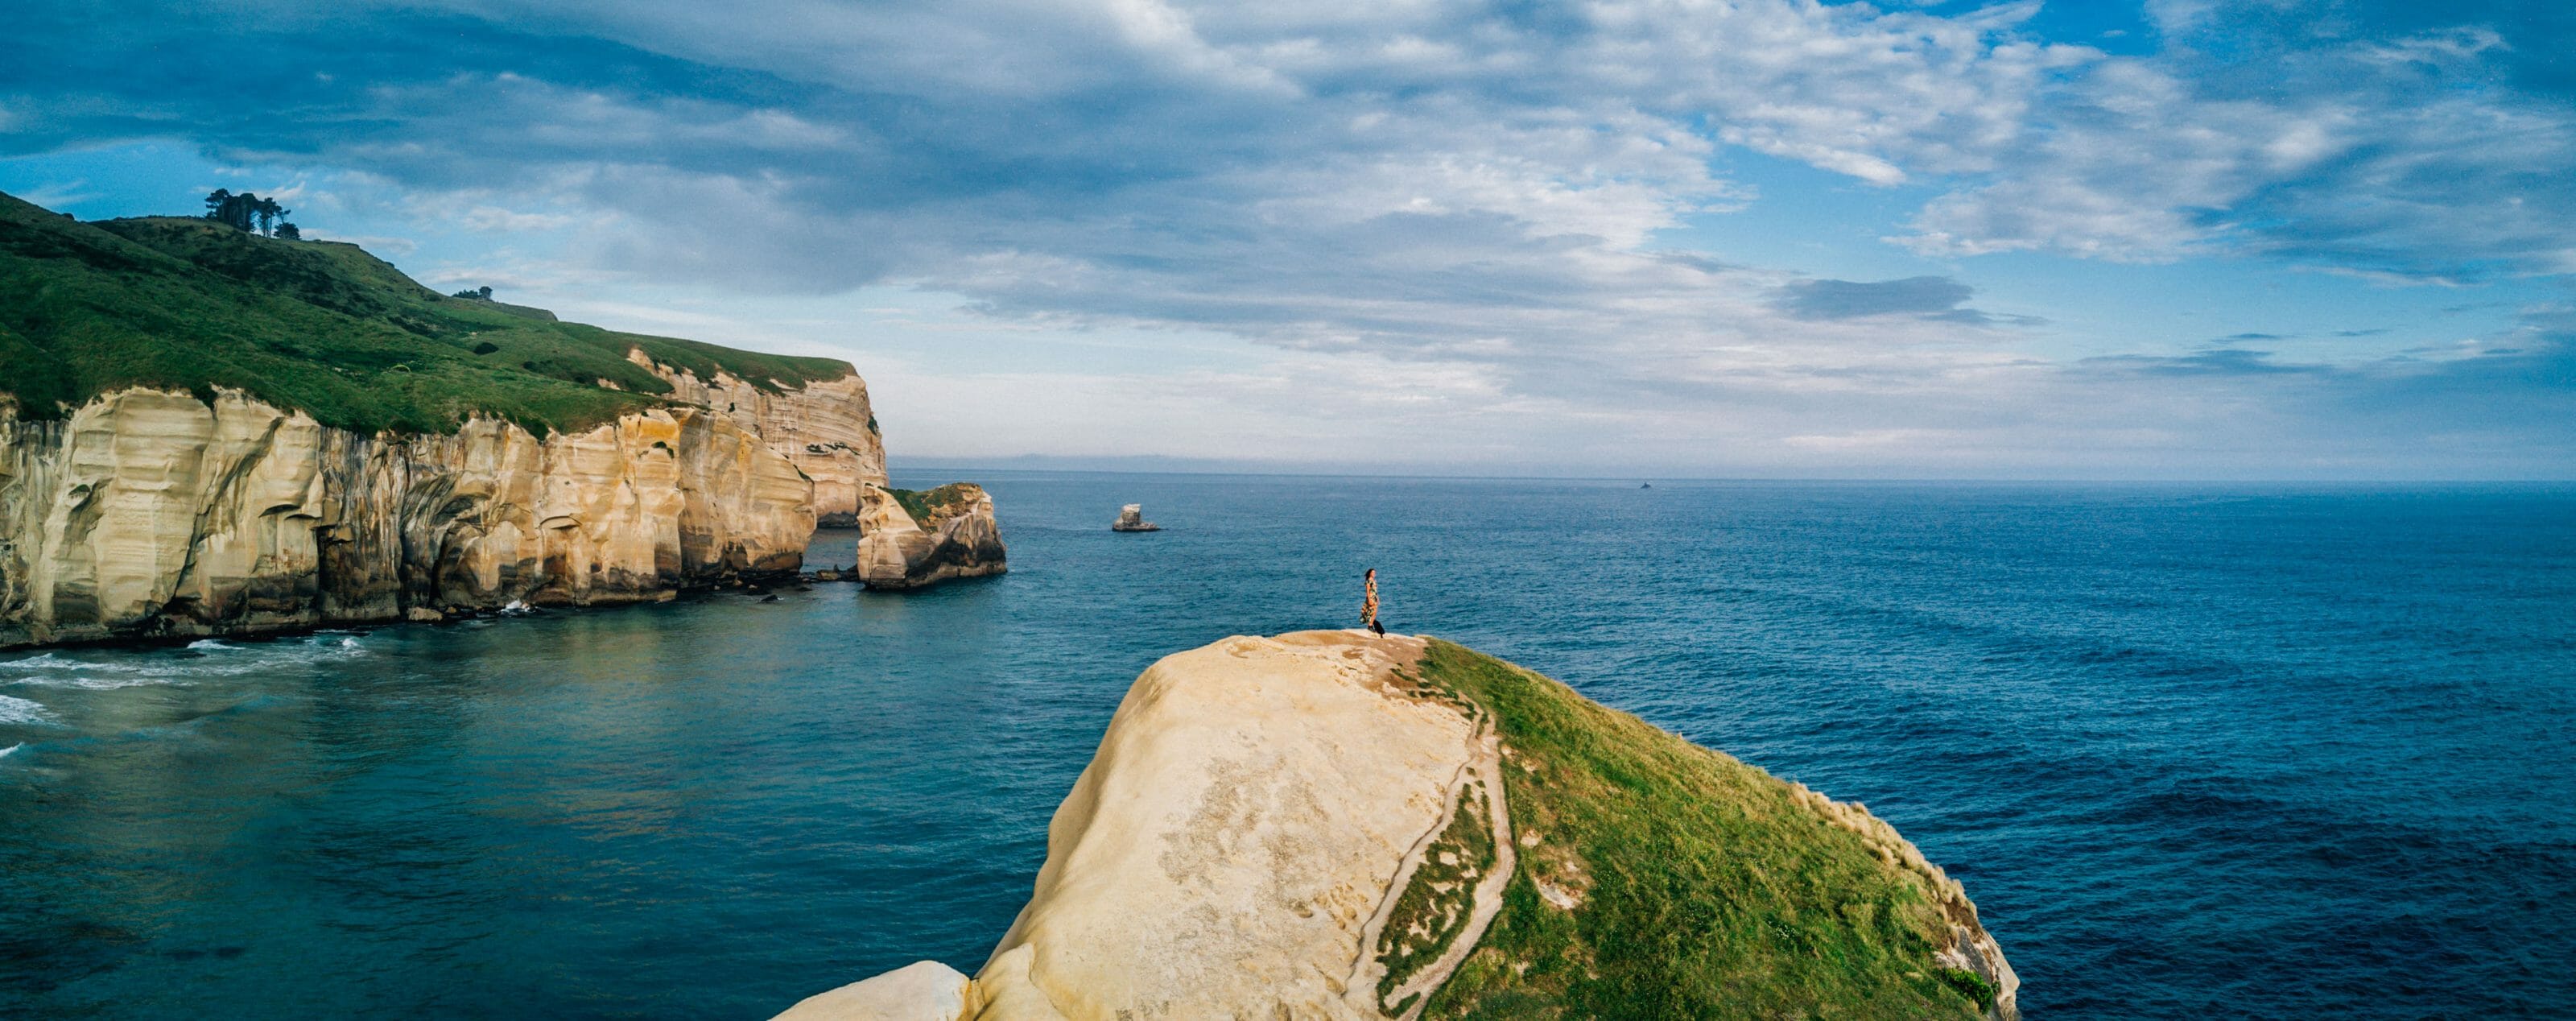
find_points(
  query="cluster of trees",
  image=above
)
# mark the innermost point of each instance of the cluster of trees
(251, 213)
(484, 293)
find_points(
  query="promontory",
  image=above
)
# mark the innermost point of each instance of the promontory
(1331, 824)
(204, 431)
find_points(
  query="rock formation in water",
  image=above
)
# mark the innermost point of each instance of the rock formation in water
(1131, 518)
(204, 432)
(910, 539)
(1329, 824)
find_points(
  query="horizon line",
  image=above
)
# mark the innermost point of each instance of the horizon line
(1215, 466)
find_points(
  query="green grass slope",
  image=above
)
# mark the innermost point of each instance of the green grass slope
(1703, 887)
(87, 308)
(931, 508)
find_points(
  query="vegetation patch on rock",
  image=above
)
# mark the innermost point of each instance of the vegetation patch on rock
(932, 507)
(1658, 878)
(1434, 907)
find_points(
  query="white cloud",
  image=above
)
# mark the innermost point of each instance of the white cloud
(1420, 212)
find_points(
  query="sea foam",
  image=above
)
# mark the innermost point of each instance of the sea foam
(19, 710)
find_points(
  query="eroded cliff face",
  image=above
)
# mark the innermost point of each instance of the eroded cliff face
(957, 536)
(826, 428)
(149, 513)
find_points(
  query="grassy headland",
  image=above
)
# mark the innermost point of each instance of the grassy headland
(1698, 886)
(191, 304)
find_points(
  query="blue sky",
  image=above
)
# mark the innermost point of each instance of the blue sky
(2172, 239)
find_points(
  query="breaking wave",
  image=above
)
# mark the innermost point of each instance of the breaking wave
(19, 710)
(202, 660)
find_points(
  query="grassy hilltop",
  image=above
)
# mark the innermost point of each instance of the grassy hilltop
(192, 304)
(1706, 887)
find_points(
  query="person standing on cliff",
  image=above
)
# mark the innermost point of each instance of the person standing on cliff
(1368, 607)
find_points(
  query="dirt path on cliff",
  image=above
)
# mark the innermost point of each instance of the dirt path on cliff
(1480, 774)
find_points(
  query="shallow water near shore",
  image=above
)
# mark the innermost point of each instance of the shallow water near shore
(2194, 750)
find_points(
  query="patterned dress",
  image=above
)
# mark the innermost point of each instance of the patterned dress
(1368, 608)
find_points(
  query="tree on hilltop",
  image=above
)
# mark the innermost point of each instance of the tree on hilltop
(245, 212)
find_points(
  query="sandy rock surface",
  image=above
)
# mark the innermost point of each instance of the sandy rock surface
(149, 512)
(1225, 854)
(896, 552)
(825, 427)
(924, 991)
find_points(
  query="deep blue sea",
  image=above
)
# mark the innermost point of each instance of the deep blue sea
(2245, 751)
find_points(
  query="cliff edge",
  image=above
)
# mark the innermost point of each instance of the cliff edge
(1330, 824)
(204, 431)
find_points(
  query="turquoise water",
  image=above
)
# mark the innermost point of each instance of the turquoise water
(2247, 751)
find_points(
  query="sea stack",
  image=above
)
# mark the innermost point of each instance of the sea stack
(910, 539)
(1131, 518)
(1331, 824)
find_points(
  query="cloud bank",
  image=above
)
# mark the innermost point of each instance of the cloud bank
(1447, 219)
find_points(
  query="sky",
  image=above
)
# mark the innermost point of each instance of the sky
(2171, 239)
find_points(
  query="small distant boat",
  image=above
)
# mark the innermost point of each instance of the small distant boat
(1131, 518)
(1649, 485)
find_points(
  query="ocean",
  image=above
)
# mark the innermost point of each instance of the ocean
(2195, 750)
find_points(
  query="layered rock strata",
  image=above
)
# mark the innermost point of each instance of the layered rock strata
(825, 427)
(151, 513)
(949, 532)
(1308, 826)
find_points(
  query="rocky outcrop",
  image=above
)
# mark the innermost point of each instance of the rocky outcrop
(825, 427)
(1231, 845)
(152, 513)
(1131, 518)
(908, 540)
(1315, 826)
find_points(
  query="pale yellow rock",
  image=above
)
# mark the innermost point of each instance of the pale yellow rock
(896, 552)
(823, 427)
(1251, 808)
(151, 512)
(922, 991)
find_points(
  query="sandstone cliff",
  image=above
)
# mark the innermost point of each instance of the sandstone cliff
(824, 426)
(148, 513)
(360, 447)
(1333, 825)
(909, 540)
